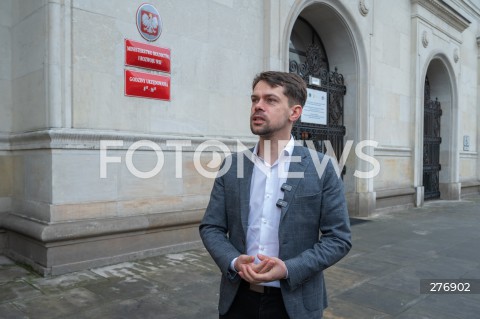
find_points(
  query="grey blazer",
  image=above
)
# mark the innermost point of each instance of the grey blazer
(315, 206)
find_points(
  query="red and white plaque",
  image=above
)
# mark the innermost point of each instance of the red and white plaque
(152, 86)
(147, 56)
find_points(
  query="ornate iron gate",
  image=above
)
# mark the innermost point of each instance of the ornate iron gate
(333, 84)
(431, 144)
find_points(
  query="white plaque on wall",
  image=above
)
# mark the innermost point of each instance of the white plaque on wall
(466, 143)
(315, 109)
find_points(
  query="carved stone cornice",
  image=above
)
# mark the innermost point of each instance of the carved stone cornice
(445, 12)
(90, 139)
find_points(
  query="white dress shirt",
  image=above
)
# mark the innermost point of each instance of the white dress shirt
(264, 215)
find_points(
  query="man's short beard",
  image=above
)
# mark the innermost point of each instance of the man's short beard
(262, 131)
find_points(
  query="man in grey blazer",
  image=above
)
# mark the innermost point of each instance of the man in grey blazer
(277, 215)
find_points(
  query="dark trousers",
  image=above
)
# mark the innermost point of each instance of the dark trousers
(249, 304)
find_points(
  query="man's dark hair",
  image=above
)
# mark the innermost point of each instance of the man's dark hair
(294, 86)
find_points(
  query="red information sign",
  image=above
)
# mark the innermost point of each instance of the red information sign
(147, 56)
(147, 85)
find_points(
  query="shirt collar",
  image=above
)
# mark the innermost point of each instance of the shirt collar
(287, 151)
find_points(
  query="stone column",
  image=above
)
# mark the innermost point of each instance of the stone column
(418, 41)
(58, 63)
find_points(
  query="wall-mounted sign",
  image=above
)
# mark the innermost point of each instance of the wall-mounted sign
(149, 23)
(147, 56)
(466, 142)
(315, 109)
(152, 86)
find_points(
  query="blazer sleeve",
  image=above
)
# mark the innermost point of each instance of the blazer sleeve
(335, 241)
(214, 229)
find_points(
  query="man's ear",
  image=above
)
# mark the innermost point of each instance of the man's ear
(295, 112)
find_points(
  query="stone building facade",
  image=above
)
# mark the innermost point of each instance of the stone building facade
(62, 65)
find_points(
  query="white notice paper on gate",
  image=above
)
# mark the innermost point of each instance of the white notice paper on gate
(315, 109)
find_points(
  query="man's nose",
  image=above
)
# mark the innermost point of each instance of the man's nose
(259, 105)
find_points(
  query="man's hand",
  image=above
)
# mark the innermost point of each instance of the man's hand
(262, 267)
(269, 269)
(243, 259)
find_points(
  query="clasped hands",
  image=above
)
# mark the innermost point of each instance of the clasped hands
(269, 268)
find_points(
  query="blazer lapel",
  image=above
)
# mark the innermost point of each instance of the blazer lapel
(245, 181)
(297, 167)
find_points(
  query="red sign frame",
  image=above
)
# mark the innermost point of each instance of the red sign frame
(147, 85)
(147, 56)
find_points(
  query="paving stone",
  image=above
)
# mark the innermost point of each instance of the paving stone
(472, 274)
(466, 251)
(451, 235)
(404, 280)
(15, 290)
(178, 277)
(11, 273)
(340, 309)
(422, 244)
(444, 267)
(131, 309)
(200, 294)
(368, 266)
(9, 311)
(414, 313)
(447, 307)
(5, 261)
(407, 279)
(339, 280)
(125, 288)
(153, 306)
(398, 256)
(61, 283)
(377, 240)
(59, 305)
(126, 269)
(382, 299)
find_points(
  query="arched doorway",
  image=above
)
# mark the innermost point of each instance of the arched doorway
(309, 60)
(440, 153)
(330, 26)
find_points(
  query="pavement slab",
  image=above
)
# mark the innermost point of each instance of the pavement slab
(57, 284)
(17, 290)
(382, 299)
(340, 309)
(446, 307)
(58, 305)
(124, 288)
(339, 280)
(368, 266)
(8, 274)
(9, 311)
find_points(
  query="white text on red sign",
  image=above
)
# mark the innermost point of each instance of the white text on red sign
(147, 56)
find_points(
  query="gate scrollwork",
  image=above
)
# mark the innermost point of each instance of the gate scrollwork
(431, 144)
